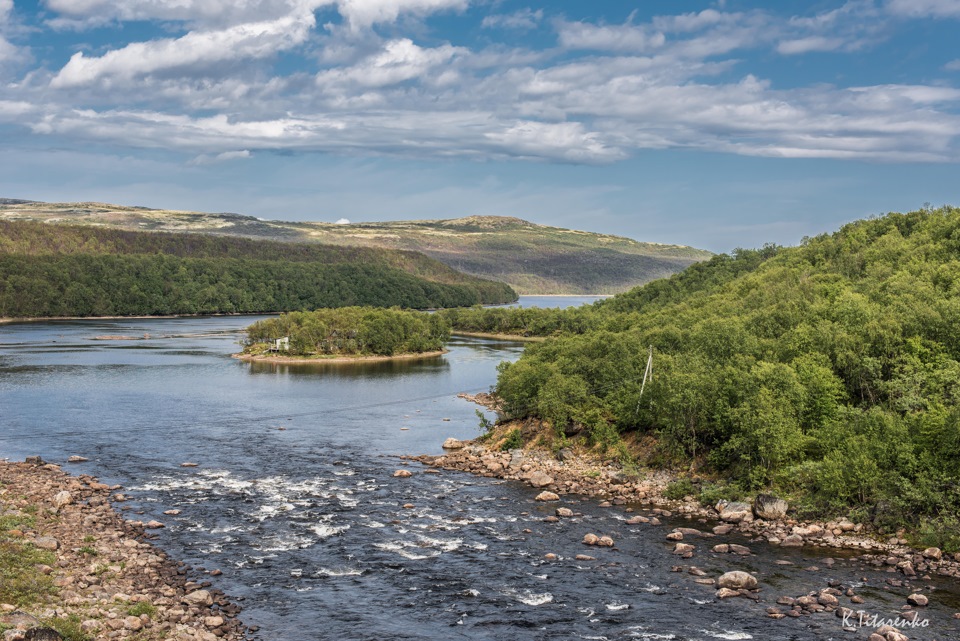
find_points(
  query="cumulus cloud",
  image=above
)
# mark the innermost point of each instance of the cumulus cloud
(197, 48)
(524, 19)
(625, 37)
(676, 81)
(365, 13)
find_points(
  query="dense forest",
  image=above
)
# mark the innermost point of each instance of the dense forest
(829, 372)
(351, 331)
(50, 270)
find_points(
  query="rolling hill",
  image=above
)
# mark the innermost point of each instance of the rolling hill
(533, 259)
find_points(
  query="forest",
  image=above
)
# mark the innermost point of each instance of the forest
(50, 271)
(827, 372)
(352, 331)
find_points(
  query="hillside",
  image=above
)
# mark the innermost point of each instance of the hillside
(828, 372)
(64, 270)
(533, 259)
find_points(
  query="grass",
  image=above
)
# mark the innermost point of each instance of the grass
(68, 627)
(21, 581)
(86, 549)
(142, 607)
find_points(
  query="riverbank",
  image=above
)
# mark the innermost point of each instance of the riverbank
(311, 360)
(764, 520)
(47, 319)
(82, 569)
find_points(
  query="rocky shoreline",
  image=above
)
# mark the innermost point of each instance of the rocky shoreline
(107, 582)
(312, 360)
(765, 521)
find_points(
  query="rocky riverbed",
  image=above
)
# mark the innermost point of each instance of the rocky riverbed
(105, 581)
(764, 521)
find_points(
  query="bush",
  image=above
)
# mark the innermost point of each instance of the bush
(513, 440)
(678, 489)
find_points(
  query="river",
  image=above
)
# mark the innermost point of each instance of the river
(293, 497)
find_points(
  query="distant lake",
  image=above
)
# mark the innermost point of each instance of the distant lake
(555, 301)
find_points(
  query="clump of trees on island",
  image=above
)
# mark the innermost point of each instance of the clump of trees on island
(829, 371)
(58, 270)
(351, 331)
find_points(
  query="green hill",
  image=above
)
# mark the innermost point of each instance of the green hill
(829, 371)
(53, 270)
(534, 259)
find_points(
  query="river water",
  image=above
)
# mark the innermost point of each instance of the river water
(293, 497)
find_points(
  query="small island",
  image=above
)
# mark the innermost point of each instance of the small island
(346, 335)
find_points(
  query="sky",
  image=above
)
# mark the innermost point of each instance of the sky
(716, 124)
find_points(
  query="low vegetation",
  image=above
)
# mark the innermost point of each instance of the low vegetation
(49, 271)
(359, 331)
(829, 372)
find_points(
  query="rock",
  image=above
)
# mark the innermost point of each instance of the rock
(153, 525)
(917, 600)
(585, 557)
(198, 597)
(453, 444)
(551, 519)
(735, 512)
(46, 543)
(742, 550)
(737, 580)
(132, 623)
(636, 520)
(934, 554)
(825, 598)
(402, 474)
(769, 507)
(565, 454)
(213, 621)
(792, 541)
(590, 539)
(605, 541)
(62, 498)
(171, 512)
(675, 536)
(547, 496)
(722, 530)
(695, 571)
(722, 548)
(683, 548)
(539, 479)
(34, 460)
(550, 556)
(726, 593)
(188, 464)
(77, 459)
(564, 512)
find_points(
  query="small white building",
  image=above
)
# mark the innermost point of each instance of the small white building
(280, 344)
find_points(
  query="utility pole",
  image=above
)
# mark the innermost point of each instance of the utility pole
(647, 375)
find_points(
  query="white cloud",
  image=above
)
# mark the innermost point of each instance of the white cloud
(399, 61)
(250, 40)
(953, 65)
(207, 159)
(524, 19)
(925, 8)
(808, 44)
(342, 221)
(626, 37)
(366, 13)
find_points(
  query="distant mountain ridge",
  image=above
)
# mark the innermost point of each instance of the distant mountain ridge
(532, 258)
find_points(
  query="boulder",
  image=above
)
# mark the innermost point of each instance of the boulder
(683, 548)
(934, 554)
(539, 479)
(605, 541)
(402, 474)
(769, 507)
(737, 580)
(739, 549)
(77, 459)
(46, 543)
(198, 597)
(726, 593)
(565, 512)
(792, 541)
(453, 444)
(918, 600)
(590, 539)
(735, 512)
(547, 496)
(62, 498)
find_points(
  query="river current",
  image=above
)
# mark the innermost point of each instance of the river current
(293, 497)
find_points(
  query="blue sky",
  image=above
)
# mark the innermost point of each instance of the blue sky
(713, 124)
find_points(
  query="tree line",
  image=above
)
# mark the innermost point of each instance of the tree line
(48, 270)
